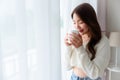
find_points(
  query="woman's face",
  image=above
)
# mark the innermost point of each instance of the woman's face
(80, 25)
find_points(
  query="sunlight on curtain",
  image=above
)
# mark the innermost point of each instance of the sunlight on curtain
(30, 40)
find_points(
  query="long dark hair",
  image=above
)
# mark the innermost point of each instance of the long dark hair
(87, 13)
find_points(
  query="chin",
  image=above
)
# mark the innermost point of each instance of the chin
(81, 33)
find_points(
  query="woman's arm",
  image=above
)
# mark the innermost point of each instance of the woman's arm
(96, 67)
(67, 57)
(67, 53)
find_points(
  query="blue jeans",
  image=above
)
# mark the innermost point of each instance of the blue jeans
(74, 77)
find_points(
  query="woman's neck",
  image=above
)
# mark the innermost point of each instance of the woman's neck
(86, 38)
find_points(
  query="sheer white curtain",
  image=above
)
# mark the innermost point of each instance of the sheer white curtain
(66, 8)
(30, 40)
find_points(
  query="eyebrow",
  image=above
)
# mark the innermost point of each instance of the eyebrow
(77, 20)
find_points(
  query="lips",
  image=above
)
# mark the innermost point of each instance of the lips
(81, 30)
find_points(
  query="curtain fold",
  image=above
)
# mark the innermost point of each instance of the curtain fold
(21, 39)
(101, 13)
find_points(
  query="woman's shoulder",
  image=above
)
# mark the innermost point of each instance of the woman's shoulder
(104, 38)
(104, 41)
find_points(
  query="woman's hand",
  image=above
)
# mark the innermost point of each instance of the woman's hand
(75, 40)
(66, 41)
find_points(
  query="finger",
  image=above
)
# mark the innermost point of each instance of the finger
(76, 39)
(73, 42)
(76, 43)
(76, 36)
(66, 40)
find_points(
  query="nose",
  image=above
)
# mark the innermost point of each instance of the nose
(77, 26)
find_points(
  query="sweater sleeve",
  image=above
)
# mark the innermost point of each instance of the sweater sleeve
(96, 67)
(67, 57)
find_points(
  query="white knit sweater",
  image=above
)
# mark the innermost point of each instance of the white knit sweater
(79, 57)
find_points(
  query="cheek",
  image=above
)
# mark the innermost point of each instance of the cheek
(86, 28)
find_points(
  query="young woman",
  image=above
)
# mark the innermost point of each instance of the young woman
(87, 53)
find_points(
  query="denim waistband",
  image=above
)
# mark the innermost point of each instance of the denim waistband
(74, 77)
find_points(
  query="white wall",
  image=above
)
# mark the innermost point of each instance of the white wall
(113, 24)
